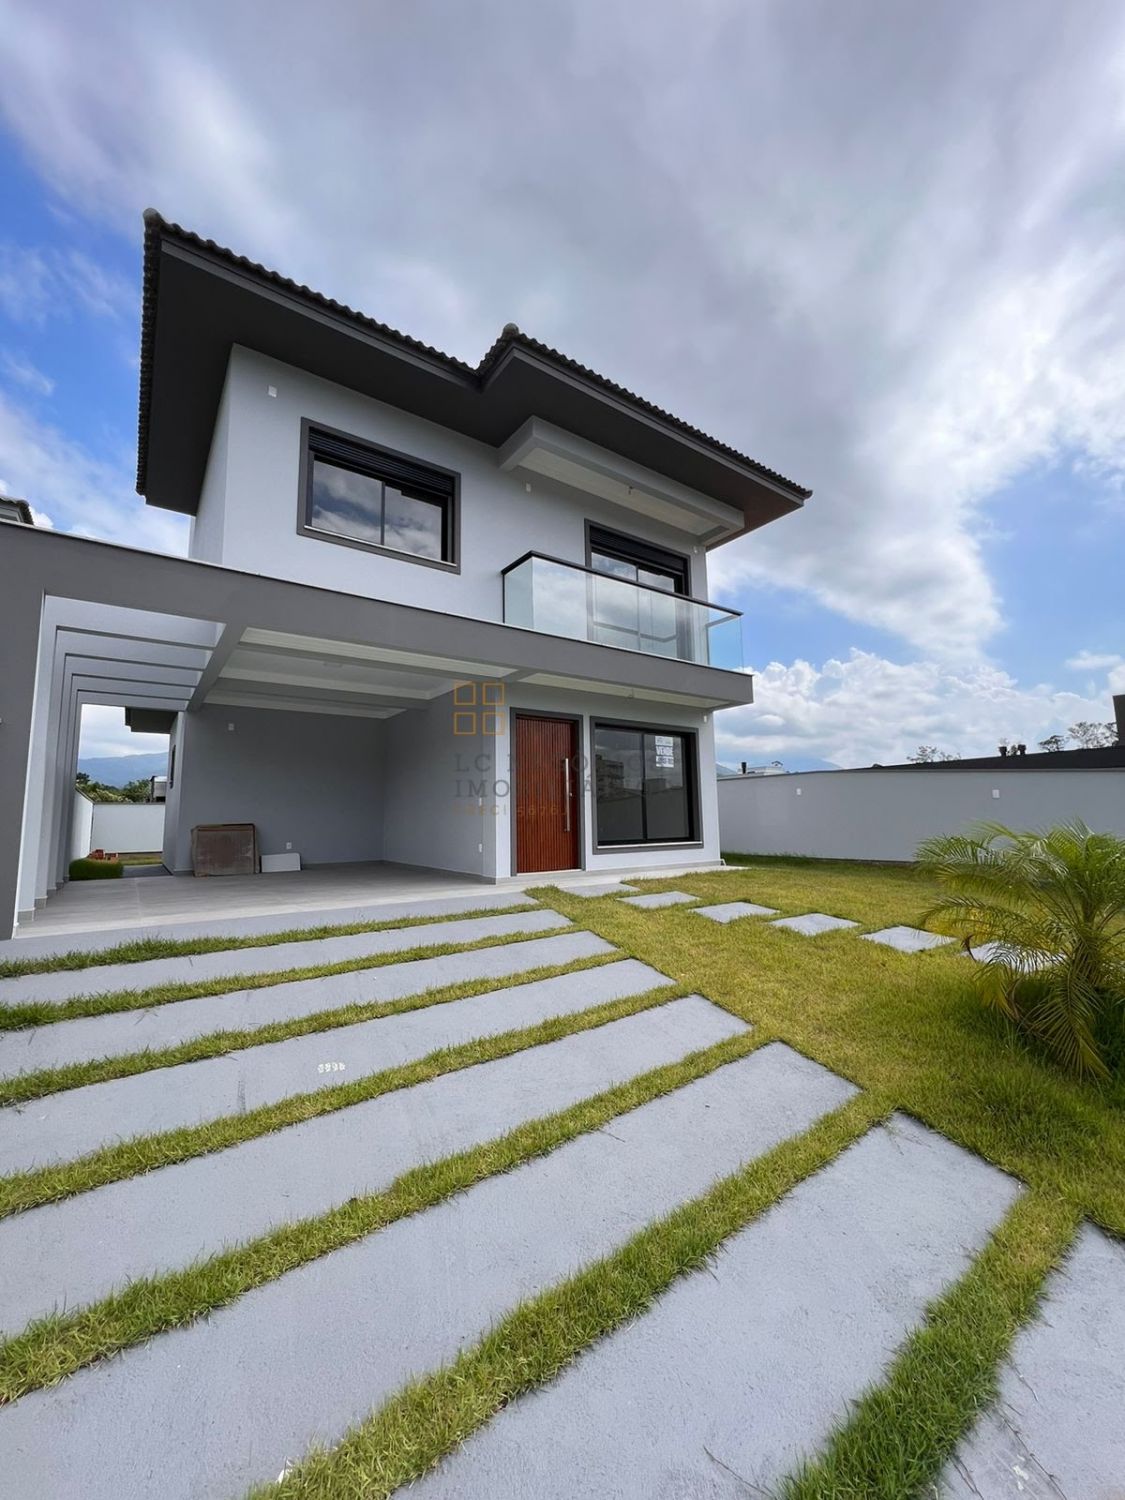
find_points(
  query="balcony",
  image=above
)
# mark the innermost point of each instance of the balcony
(561, 598)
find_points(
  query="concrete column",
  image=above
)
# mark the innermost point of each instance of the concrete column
(35, 798)
(23, 608)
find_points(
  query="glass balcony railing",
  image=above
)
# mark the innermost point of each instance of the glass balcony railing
(561, 598)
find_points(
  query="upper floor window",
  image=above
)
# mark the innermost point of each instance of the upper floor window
(372, 497)
(639, 562)
(640, 618)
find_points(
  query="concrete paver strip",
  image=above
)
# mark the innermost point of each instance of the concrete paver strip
(813, 923)
(63, 1126)
(906, 939)
(1022, 958)
(290, 919)
(1058, 1427)
(741, 1370)
(104, 979)
(69, 1253)
(228, 1401)
(179, 1021)
(656, 899)
(732, 911)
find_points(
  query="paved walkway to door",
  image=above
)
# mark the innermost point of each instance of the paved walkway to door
(300, 1173)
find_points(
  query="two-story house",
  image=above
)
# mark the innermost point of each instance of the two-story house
(495, 653)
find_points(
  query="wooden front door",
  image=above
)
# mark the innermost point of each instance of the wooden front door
(547, 792)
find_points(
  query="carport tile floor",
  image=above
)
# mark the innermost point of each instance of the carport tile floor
(45, 945)
(740, 1370)
(66, 1125)
(732, 911)
(813, 923)
(656, 899)
(229, 1401)
(69, 1253)
(1058, 1425)
(183, 1020)
(104, 979)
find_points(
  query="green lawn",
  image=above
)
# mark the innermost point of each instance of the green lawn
(907, 1028)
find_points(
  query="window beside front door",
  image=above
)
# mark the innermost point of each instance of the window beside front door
(644, 785)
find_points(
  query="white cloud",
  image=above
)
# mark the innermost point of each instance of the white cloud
(865, 709)
(878, 247)
(20, 371)
(40, 283)
(103, 732)
(1095, 661)
(76, 491)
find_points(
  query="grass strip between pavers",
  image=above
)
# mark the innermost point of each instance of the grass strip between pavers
(27, 1086)
(50, 1184)
(431, 1416)
(44, 1012)
(54, 1347)
(140, 950)
(903, 1431)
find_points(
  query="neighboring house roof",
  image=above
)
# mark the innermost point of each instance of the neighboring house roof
(12, 509)
(200, 298)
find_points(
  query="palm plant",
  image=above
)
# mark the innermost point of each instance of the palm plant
(1052, 902)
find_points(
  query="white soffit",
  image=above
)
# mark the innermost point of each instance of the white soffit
(543, 449)
(361, 652)
(614, 690)
(234, 699)
(286, 668)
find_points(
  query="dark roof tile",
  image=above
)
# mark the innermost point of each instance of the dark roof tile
(157, 228)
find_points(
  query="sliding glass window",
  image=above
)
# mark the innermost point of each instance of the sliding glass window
(644, 785)
(640, 619)
(370, 497)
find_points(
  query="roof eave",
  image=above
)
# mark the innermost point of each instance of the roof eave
(772, 493)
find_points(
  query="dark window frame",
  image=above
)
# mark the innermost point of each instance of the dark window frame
(690, 738)
(366, 457)
(640, 552)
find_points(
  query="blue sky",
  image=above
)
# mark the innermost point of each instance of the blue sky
(879, 247)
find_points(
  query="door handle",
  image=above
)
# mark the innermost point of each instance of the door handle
(566, 793)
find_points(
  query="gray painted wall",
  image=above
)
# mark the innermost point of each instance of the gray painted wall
(82, 826)
(886, 814)
(314, 780)
(172, 795)
(248, 508)
(429, 817)
(206, 536)
(124, 827)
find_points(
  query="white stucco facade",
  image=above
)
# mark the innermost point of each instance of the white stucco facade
(248, 512)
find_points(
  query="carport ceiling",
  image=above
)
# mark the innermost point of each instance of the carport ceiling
(303, 676)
